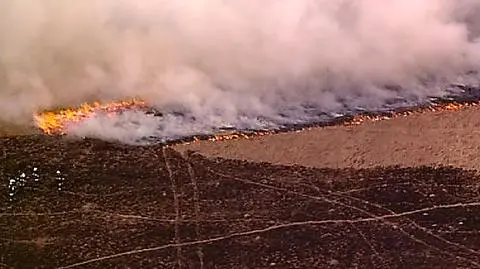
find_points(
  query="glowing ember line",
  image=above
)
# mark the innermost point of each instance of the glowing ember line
(356, 120)
(442, 107)
(56, 122)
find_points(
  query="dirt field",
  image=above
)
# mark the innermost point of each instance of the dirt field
(436, 138)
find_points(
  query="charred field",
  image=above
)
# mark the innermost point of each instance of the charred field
(87, 203)
(354, 131)
(92, 204)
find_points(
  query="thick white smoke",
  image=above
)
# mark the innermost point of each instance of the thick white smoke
(230, 62)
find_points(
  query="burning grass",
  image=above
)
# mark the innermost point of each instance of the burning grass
(57, 122)
(450, 106)
(352, 120)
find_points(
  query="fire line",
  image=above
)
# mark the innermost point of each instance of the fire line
(57, 122)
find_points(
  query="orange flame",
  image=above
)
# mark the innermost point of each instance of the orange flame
(56, 122)
(442, 107)
(357, 120)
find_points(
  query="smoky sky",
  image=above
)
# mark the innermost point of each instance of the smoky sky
(230, 62)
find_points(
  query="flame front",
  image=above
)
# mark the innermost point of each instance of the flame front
(56, 122)
(441, 107)
(356, 120)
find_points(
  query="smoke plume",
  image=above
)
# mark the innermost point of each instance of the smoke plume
(246, 64)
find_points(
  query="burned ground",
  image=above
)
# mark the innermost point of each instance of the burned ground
(91, 204)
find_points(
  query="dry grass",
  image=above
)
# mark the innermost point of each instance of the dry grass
(431, 138)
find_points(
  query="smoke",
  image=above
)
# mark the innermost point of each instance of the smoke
(222, 62)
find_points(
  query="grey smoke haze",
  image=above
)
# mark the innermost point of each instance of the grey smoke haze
(229, 62)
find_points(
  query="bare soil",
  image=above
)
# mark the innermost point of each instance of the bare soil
(433, 138)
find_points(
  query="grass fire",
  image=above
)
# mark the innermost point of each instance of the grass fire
(57, 122)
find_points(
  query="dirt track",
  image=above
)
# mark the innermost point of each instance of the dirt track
(435, 138)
